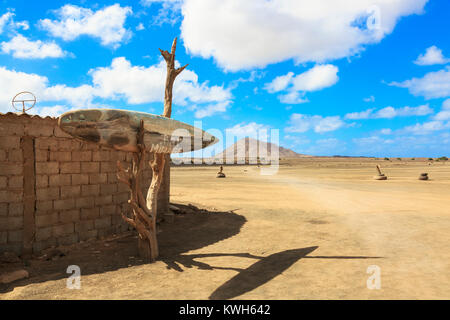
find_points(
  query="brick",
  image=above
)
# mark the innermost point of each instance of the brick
(47, 194)
(44, 244)
(90, 190)
(3, 209)
(15, 247)
(57, 132)
(95, 178)
(15, 236)
(11, 223)
(121, 197)
(43, 233)
(11, 196)
(82, 155)
(85, 202)
(88, 234)
(89, 213)
(108, 210)
(41, 181)
(69, 216)
(41, 155)
(15, 209)
(68, 239)
(60, 156)
(3, 237)
(63, 229)
(58, 180)
(106, 189)
(47, 167)
(85, 225)
(7, 168)
(103, 200)
(101, 223)
(70, 191)
(101, 155)
(68, 144)
(46, 143)
(70, 167)
(15, 155)
(105, 232)
(2, 155)
(44, 205)
(8, 128)
(3, 182)
(108, 166)
(89, 146)
(47, 220)
(38, 130)
(64, 204)
(15, 182)
(80, 178)
(112, 177)
(122, 187)
(89, 167)
(118, 155)
(10, 142)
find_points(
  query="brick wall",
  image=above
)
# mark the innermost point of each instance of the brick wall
(56, 190)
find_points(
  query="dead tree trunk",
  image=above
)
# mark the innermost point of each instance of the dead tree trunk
(172, 73)
(145, 210)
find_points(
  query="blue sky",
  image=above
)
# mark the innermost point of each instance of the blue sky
(353, 77)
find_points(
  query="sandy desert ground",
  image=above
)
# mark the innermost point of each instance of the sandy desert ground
(309, 232)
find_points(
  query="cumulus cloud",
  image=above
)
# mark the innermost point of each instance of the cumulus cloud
(432, 85)
(444, 114)
(138, 84)
(106, 24)
(390, 112)
(169, 11)
(21, 47)
(314, 79)
(253, 33)
(252, 130)
(7, 22)
(433, 55)
(301, 123)
(120, 80)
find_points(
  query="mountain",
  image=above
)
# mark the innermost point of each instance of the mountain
(249, 148)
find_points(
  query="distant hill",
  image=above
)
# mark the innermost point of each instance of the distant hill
(249, 148)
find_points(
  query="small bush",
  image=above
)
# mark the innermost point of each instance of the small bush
(413, 159)
(430, 159)
(399, 159)
(387, 159)
(443, 159)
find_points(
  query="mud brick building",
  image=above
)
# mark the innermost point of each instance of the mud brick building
(56, 190)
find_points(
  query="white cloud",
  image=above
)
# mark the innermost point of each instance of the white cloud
(7, 22)
(433, 55)
(253, 33)
(21, 47)
(444, 114)
(301, 123)
(314, 79)
(432, 85)
(140, 27)
(138, 84)
(390, 112)
(211, 109)
(107, 24)
(386, 131)
(252, 130)
(121, 80)
(168, 13)
(369, 99)
(427, 127)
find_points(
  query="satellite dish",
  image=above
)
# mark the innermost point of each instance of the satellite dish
(25, 99)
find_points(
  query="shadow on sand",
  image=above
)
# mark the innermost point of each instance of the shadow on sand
(194, 229)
